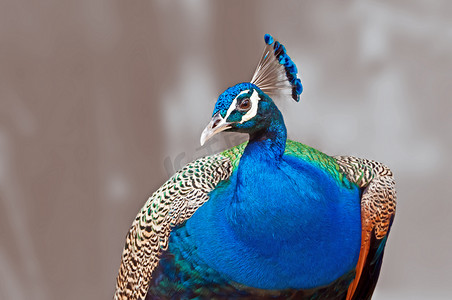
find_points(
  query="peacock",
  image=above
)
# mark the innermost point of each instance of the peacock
(268, 219)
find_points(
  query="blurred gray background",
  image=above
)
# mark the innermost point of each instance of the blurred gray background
(101, 101)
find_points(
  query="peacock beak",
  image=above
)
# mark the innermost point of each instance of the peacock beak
(216, 125)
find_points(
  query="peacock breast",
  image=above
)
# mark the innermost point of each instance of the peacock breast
(289, 225)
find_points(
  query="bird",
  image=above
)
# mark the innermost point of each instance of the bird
(270, 218)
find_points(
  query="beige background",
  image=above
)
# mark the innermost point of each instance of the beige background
(100, 101)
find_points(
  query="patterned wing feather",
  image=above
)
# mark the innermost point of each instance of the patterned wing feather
(378, 205)
(169, 206)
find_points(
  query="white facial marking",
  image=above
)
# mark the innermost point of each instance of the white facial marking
(231, 108)
(234, 104)
(254, 105)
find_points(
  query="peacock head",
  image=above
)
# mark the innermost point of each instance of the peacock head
(241, 108)
(246, 107)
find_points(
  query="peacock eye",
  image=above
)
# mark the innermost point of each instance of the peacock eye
(245, 104)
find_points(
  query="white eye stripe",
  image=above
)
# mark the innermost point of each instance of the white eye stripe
(242, 92)
(231, 108)
(254, 105)
(234, 103)
(251, 113)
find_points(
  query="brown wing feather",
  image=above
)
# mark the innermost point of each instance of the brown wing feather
(378, 204)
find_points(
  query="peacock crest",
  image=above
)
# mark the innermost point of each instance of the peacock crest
(276, 72)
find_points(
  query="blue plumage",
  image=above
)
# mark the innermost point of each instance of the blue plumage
(268, 39)
(270, 228)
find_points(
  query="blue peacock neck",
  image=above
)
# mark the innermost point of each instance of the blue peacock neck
(268, 142)
(259, 176)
